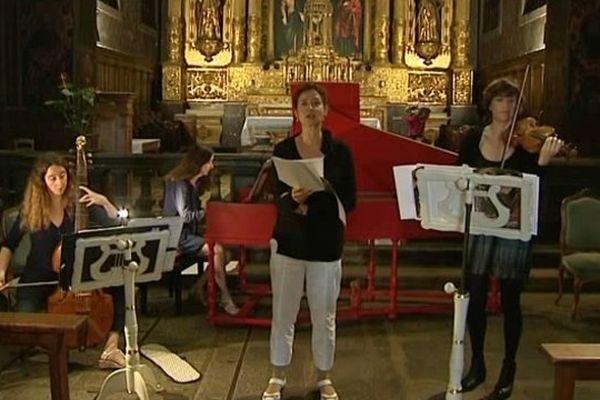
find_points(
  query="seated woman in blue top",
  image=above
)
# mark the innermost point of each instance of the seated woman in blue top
(185, 184)
(46, 214)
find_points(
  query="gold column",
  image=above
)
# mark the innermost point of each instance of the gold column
(239, 32)
(382, 31)
(254, 11)
(368, 32)
(398, 27)
(460, 35)
(173, 69)
(462, 77)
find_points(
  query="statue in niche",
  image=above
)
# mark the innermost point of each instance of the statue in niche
(428, 29)
(209, 27)
(428, 21)
(208, 15)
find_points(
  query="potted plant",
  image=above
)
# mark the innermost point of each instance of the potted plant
(77, 106)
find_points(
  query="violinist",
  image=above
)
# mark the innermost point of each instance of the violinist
(506, 259)
(46, 214)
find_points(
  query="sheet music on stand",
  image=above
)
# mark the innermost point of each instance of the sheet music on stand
(503, 205)
(460, 199)
(125, 255)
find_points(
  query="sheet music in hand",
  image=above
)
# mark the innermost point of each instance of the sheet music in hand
(304, 173)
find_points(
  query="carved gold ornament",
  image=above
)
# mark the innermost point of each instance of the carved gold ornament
(207, 84)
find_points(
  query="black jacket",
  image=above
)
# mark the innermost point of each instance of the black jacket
(318, 235)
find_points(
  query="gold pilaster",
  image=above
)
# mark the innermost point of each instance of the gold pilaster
(239, 32)
(382, 28)
(462, 74)
(398, 28)
(461, 44)
(254, 31)
(368, 31)
(173, 76)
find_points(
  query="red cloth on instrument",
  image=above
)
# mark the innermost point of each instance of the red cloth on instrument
(375, 151)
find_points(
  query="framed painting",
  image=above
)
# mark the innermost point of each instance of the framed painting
(288, 24)
(348, 27)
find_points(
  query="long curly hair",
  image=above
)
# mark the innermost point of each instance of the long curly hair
(35, 210)
(190, 166)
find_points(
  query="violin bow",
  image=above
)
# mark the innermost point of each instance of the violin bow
(15, 283)
(513, 121)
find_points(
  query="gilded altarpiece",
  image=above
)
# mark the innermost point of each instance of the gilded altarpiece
(400, 51)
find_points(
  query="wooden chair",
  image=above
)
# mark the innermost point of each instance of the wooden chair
(19, 256)
(579, 242)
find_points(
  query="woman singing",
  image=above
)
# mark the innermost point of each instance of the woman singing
(307, 245)
(506, 259)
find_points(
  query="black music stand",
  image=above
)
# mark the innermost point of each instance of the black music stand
(101, 258)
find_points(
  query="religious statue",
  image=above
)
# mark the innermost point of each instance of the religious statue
(209, 28)
(428, 26)
(347, 27)
(208, 19)
(427, 22)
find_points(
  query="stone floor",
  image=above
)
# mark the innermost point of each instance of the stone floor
(405, 358)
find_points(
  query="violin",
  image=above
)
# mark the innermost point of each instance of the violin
(527, 133)
(530, 136)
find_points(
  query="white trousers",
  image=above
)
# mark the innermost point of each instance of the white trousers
(322, 291)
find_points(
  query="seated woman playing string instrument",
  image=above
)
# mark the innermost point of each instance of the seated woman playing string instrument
(47, 213)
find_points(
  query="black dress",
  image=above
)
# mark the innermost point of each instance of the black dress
(503, 258)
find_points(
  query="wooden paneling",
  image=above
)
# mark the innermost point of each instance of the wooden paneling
(515, 69)
(116, 72)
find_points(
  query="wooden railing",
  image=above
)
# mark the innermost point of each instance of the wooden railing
(132, 181)
(135, 181)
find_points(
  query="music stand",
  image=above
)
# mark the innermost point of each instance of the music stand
(460, 199)
(118, 256)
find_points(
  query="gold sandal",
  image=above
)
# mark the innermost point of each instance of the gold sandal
(112, 359)
(274, 395)
(327, 382)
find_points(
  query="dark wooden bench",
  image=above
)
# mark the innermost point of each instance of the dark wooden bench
(48, 331)
(572, 361)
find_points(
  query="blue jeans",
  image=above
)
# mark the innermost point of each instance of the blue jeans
(34, 298)
(191, 244)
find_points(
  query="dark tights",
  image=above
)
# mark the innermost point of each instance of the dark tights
(510, 290)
